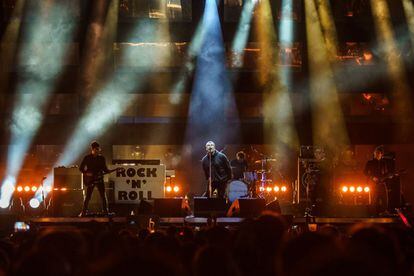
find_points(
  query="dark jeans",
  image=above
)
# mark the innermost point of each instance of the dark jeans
(381, 197)
(101, 190)
(219, 186)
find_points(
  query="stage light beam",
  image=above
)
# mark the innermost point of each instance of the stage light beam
(242, 33)
(41, 57)
(328, 27)
(115, 97)
(279, 126)
(8, 43)
(395, 65)
(329, 128)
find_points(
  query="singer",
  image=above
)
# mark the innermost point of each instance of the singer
(217, 170)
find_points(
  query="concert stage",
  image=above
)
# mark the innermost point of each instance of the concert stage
(191, 221)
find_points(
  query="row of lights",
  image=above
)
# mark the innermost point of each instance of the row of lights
(353, 189)
(275, 189)
(170, 189)
(27, 189)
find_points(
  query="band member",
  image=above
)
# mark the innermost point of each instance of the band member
(380, 170)
(93, 167)
(239, 165)
(217, 166)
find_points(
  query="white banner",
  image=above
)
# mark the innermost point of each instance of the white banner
(138, 182)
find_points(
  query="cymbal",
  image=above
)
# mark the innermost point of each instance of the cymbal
(262, 171)
(265, 160)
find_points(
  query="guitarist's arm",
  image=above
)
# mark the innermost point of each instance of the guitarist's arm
(105, 168)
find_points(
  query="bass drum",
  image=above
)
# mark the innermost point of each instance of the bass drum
(236, 189)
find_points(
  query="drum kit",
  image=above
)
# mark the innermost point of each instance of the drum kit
(253, 183)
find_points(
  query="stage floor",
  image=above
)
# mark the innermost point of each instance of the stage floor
(199, 221)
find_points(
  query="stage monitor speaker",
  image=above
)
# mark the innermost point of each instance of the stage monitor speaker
(145, 208)
(247, 207)
(66, 203)
(274, 207)
(69, 178)
(169, 207)
(209, 207)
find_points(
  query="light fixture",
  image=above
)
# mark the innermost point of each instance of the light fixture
(34, 203)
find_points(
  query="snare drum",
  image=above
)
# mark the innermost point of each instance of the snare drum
(236, 189)
(250, 177)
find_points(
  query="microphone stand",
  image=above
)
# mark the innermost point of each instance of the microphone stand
(209, 179)
(43, 195)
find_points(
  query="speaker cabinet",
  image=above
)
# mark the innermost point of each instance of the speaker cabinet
(247, 207)
(69, 178)
(209, 207)
(169, 207)
(66, 203)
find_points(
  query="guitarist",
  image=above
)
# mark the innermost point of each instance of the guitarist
(93, 167)
(379, 170)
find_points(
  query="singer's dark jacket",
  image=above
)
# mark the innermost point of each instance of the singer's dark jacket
(220, 167)
(93, 164)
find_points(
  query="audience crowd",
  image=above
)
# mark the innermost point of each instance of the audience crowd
(263, 246)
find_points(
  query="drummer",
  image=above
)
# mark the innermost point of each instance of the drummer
(239, 165)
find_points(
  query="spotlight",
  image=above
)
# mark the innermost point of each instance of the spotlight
(34, 203)
(359, 189)
(168, 189)
(352, 189)
(366, 189)
(261, 189)
(269, 189)
(26, 188)
(176, 189)
(344, 189)
(9, 189)
(63, 189)
(34, 188)
(283, 188)
(19, 188)
(4, 204)
(276, 189)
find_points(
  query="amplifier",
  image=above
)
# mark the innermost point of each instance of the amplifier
(69, 178)
(154, 162)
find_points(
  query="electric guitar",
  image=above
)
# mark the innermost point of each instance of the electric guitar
(381, 179)
(90, 179)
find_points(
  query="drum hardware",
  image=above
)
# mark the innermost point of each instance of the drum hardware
(261, 161)
(263, 172)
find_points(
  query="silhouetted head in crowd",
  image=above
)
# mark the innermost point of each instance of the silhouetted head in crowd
(214, 260)
(256, 244)
(375, 248)
(307, 253)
